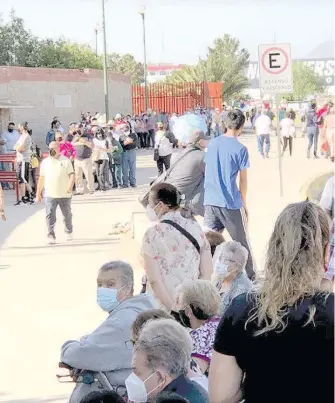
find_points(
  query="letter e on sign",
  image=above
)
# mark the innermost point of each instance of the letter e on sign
(275, 68)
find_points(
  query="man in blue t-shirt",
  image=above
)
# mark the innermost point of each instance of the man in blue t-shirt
(225, 202)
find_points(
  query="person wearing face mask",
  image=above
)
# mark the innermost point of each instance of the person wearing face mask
(196, 307)
(83, 160)
(187, 173)
(229, 275)
(128, 142)
(9, 138)
(56, 180)
(161, 360)
(101, 159)
(105, 349)
(175, 249)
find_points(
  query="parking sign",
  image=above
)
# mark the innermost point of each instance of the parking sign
(275, 68)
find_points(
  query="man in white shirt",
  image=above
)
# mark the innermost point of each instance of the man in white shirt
(57, 179)
(9, 138)
(263, 127)
(287, 129)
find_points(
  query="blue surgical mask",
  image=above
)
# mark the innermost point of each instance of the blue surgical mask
(107, 298)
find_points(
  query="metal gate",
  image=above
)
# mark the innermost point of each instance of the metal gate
(177, 98)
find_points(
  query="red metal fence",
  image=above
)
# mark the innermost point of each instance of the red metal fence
(177, 97)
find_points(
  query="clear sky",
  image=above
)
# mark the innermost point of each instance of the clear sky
(178, 31)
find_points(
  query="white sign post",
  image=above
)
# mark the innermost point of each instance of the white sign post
(276, 77)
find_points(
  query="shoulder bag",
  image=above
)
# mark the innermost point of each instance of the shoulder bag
(186, 234)
(144, 199)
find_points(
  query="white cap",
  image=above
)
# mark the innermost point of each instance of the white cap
(118, 116)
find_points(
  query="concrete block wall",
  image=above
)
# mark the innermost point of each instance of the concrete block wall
(39, 89)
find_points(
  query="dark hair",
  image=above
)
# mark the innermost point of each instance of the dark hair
(99, 131)
(53, 123)
(170, 397)
(69, 138)
(235, 119)
(11, 123)
(102, 397)
(215, 239)
(167, 194)
(144, 317)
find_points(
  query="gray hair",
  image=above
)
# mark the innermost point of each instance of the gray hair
(233, 254)
(125, 270)
(167, 346)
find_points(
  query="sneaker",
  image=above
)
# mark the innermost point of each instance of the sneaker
(78, 194)
(69, 237)
(133, 186)
(51, 240)
(19, 203)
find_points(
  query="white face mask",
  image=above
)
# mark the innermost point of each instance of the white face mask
(151, 213)
(136, 390)
(221, 269)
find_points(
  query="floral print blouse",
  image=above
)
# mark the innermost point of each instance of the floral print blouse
(203, 339)
(177, 258)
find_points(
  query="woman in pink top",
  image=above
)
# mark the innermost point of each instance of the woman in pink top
(329, 130)
(66, 147)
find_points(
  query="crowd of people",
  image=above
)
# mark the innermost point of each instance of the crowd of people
(317, 124)
(207, 327)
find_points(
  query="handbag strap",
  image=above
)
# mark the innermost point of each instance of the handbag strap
(184, 232)
(167, 173)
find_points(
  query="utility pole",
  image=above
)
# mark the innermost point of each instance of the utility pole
(96, 40)
(145, 67)
(105, 61)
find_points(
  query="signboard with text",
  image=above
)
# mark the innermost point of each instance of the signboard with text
(324, 68)
(275, 68)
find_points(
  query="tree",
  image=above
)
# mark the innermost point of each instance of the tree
(126, 64)
(225, 62)
(18, 47)
(305, 82)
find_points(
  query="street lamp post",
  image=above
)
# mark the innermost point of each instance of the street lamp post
(96, 41)
(145, 68)
(105, 62)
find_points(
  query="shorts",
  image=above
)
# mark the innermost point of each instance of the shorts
(22, 171)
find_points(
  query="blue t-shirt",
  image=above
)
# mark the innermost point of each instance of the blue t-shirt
(225, 157)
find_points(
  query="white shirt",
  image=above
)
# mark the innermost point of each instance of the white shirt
(56, 172)
(10, 139)
(263, 125)
(286, 126)
(163, 144)
(102, 144)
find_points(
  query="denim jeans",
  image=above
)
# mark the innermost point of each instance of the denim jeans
(151, 136)
(129, 168)
(51, 205)
(313, 135)
(261, 139)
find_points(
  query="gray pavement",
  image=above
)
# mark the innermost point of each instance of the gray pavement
(47, 293)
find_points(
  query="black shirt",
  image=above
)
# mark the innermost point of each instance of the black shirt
(131, 146)
(293, 366)
(82, 151)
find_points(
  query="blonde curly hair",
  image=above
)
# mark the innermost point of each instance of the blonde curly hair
(294, 265)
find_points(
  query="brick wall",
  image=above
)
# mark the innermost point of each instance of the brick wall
(75, 91)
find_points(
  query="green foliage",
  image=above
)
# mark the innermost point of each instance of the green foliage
(305, 82)
(225, 62)
(126, 64)
(18, 47)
